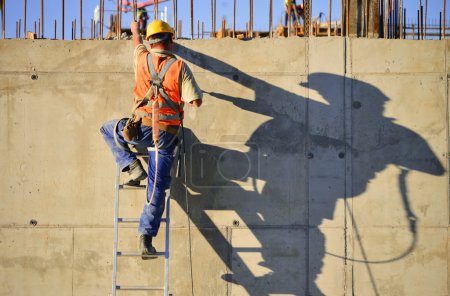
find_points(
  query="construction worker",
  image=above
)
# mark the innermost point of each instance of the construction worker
(296, 11)
(171, 91)
(142, 17)
(289, 6)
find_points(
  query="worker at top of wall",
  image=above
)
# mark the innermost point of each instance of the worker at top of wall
(172, 90)
(289, 5)
(142, 17)
(297, 11)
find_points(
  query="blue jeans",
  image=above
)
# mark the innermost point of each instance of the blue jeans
(150, 219)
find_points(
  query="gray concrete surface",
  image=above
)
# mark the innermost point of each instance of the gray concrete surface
(325, 159)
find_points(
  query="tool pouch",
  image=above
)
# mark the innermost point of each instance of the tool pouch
(131, 129)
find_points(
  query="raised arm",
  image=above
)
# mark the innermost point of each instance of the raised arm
(137, 39)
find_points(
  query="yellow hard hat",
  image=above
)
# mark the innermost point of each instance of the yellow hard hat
(157, 27)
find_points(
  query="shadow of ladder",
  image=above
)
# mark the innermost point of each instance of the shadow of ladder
(119, 220)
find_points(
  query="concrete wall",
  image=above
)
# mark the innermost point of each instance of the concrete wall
(315, 167)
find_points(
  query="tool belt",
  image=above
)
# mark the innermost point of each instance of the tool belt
(130, 131)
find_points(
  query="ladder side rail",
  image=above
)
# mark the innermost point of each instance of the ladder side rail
(166, 253)
(116, 230)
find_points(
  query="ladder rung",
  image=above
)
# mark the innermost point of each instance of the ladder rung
(133, 220)
(137, 254)
(128, 220)
(139, 288)
(126, 187)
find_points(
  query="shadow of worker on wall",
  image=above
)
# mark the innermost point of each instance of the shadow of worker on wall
(289, 176)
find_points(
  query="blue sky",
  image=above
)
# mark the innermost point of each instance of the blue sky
(202, 12)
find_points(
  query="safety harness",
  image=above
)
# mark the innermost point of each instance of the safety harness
(157, 88)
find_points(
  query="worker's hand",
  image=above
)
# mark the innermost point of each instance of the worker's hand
(134, 28)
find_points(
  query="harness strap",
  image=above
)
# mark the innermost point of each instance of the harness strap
(157, 80)
(167, 128)
(172, 105)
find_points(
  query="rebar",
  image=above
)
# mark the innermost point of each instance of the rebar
(157, 7)
(310, 26)
(176, 18)
(289, 20)
(425, 23)
(74, 29)
(42, 18)
(329, 18)
(192, 18)
(62, 20)
(116, 28)
(39, 28)
(346, 17)
(25, 19)
(444, 4)
(383, 18)
(81, 19)
(120, 20)
(421, 22)
(102, 17)
(270, 18)
(100, 20)
(234, 18)
(366, 18)
(3, 3)
(203, 30)
(251, 19)
(418, 24)
(402, 24)
(212, 17)
(55, 29)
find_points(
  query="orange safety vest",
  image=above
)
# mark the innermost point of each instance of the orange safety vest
(170, 84)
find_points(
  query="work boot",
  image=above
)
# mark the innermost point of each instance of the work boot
(135, 174)
(145, 246)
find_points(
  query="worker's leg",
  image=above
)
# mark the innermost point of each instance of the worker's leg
(154, 207)
(123, 157)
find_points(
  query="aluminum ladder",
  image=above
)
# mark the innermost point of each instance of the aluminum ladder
(119, 220)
